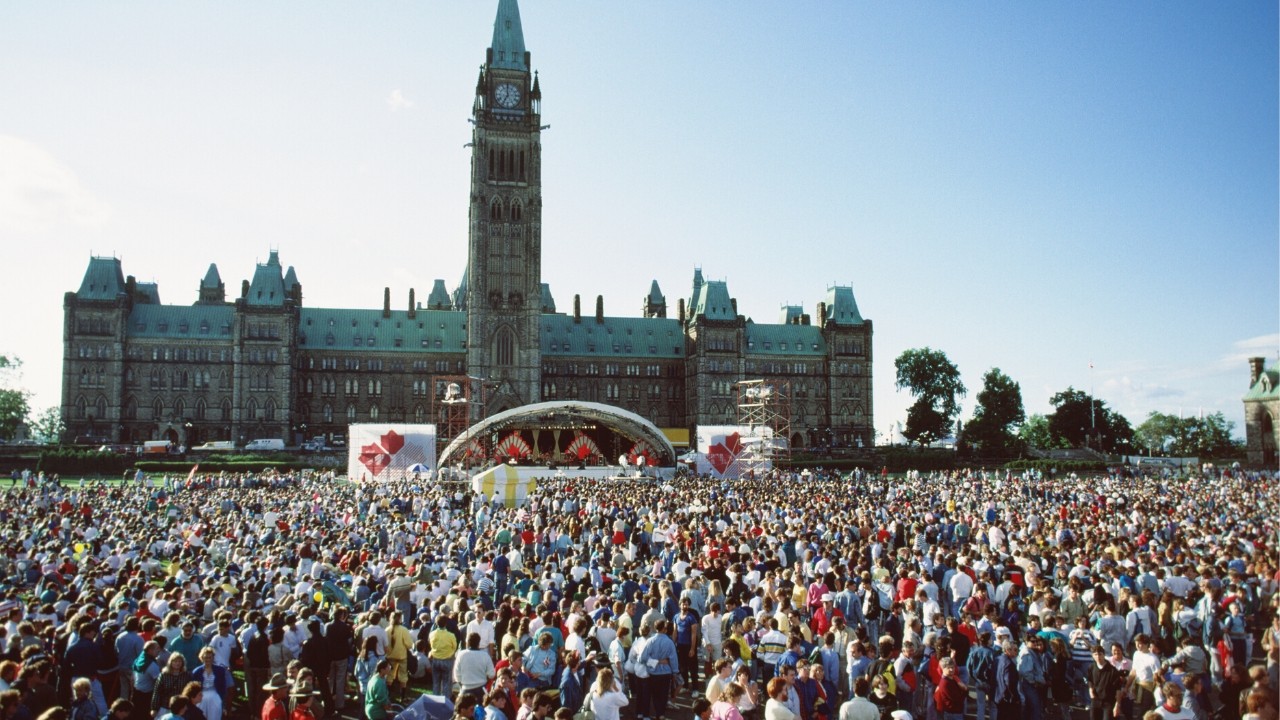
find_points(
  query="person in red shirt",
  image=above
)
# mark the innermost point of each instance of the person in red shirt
(277, 706)
(950, 694)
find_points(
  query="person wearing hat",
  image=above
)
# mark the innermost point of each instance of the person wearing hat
(276, 706)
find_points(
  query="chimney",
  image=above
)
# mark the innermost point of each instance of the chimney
(244, 288)
(413, 307)
(600, 309)
(734, 303)
(386, 302)
(804, 319)
(577, 308)
(1255, 369)
(822, 315)
(680, 310)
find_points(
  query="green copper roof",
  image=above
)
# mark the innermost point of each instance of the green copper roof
(548, 302)
(290, 279)
(148, 292)
(460, 292)
(790, 314)
(267, 287)
(103, 280)
(842, 309)
(508, 38)
(437, 331)
(615, 337)
(439, 297)
(211, 278)
(785, 340)
(712, 301)
(194, 322)
(655, 294)
(1267, 387)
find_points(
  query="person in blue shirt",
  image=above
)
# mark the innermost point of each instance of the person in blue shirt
(688, 626)
(663, 662)
(1008, 700)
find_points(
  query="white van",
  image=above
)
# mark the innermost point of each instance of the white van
(156, 447)
(215, 446)
(264, 444)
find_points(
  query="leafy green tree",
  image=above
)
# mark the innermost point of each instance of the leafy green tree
(999, 409)
(935, 382)
(48, 425)
(1080, 420)
(1207, 437)
(14, 403)
(1035, 433)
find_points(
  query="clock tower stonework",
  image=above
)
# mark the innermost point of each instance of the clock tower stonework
(504, 256)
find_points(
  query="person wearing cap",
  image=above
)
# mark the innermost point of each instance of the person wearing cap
(825, 614)
(276, 705)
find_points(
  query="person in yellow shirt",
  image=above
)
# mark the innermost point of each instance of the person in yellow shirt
(444, 645)
(399, 645)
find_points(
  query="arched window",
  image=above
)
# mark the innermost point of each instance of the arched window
(101, 407)
(271, 410)
(351, 412)
(516, 210)
(226, 411)
(179, 409)
(419, 414)
(82, 408)
(328, 413)
(130, 409)
(373, 412)
(157, 409)
(495, 209)
(200, 409)
(252, 409)
(504, 348)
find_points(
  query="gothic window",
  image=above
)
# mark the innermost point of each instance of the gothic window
(516, 210)
(504, 348)
(328, 413)
(351, 412)
(373, 412)
(157, 409)
(271, 410)
(490, 162)
(521, 169)
(419, 414)
(495, 209)
(130, 409)
(179, 408)
(226, 411)
(200, 409)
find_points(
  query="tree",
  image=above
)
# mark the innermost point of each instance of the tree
(999, 410)
(1035, 433)
(1186, 437)
(935, 382)
(14, 404)
(48, 425)
(1080, 420)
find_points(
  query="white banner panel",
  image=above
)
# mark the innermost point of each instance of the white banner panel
(723, 448)
(380, 453)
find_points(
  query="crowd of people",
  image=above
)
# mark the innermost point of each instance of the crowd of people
(995, 595)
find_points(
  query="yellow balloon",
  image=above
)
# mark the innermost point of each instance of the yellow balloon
(319, 596)
(80, 547)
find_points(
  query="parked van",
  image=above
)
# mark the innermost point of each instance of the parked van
(155, 447)
(264, 445)
(215, 446)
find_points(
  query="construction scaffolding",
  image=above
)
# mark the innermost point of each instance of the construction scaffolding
(764, 408)
(451, 408)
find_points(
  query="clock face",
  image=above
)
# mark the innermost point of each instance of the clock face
(507, 95)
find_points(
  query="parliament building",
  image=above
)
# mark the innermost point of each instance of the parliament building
(260, 363)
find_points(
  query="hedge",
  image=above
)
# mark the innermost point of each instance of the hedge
(82, 462)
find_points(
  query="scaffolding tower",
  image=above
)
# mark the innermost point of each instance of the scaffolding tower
(451, 409)
(764, 410)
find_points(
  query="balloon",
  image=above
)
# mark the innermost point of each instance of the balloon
(80, 547)
(319, 596)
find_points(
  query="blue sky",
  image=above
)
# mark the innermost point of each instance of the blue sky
(1026, 186)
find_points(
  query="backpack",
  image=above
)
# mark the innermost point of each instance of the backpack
(884, 669)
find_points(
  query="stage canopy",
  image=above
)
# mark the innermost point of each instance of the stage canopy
(576, 426)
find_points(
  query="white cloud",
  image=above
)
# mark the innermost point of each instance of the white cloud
(38, 193)
(397, 101)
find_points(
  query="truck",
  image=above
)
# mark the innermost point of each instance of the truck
(265, 445)
(156, 447)
(215, 446)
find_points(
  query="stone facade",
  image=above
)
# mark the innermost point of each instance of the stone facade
(1261, 408)
(264, 365)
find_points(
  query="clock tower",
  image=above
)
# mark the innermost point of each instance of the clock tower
(504, 255)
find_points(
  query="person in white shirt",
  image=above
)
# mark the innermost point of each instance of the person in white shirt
(606, 696)
(713, 634)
